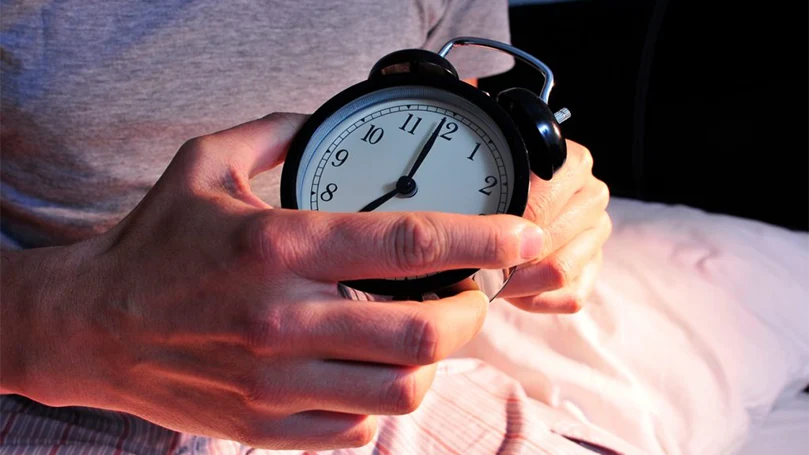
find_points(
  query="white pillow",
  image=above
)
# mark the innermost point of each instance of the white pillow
(698, 325)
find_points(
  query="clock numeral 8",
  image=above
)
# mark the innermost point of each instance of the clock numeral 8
(328, 195)
(492, 181)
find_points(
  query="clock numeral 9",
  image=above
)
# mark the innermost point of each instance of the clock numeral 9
(373, 135)
(492, 181)
(341, 156)
(328, 195)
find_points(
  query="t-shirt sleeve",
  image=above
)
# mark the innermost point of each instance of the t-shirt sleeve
(478, 18)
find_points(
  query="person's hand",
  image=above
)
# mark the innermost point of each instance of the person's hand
(208, 312)
(571, 209)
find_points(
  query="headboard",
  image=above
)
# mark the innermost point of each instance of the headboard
(684, 102)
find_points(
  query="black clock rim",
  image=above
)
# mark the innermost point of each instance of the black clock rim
(519, 198)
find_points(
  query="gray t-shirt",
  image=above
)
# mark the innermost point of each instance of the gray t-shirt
(97, 96)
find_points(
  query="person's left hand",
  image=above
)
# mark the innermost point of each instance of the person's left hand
(571, 209)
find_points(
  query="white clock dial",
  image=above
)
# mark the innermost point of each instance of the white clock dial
(363, 149)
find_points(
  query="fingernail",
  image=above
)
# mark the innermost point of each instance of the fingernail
(531, 242)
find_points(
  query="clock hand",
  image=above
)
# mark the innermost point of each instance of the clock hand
(379, 201)
(426, 149)
(404, 186)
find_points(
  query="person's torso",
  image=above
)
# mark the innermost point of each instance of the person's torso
(98, 96)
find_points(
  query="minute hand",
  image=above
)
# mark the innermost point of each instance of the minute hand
(426, 149)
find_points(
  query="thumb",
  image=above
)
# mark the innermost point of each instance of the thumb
(256, 146)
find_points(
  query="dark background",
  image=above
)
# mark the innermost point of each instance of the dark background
(685, 102)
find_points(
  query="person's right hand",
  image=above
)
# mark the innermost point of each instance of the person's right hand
(206, 311)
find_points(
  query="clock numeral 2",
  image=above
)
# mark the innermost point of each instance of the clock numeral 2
(328, 195)
(341, 156)
(373, 135)
(492, 181)
(412, 130)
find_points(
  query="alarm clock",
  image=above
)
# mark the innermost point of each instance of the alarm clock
(415, 137)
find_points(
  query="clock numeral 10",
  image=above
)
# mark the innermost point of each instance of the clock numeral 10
(492, 181)
(412, 129)
(373, 135)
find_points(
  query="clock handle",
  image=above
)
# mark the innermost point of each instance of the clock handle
(527, 58)
(537, 123)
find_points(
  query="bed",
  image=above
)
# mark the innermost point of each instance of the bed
(695, 341)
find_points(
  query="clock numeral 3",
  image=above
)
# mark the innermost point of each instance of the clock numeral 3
(328, 195)
(341, 156)
(373, 135)
(452, 127)
(492, 181)
(412, 129)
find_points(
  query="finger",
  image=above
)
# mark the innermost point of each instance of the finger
(548, 198)
(360, 388)
(404, 333)
(311, 430)
(350, 246)
(570, 299)
(583, 211)
(563, 266)
(229, 158)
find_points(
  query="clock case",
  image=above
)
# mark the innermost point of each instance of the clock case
(531, 130)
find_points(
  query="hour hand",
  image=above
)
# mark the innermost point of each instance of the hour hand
(380, 200)
(404, 186)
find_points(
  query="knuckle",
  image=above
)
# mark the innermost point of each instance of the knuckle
(558, 272)
(248, 432)
(586, 160)
(255, 393)
(574, 303)
(500, 248)
(403, 396)
(265, 333)
(421, 341)
(602, 191)
(537, 208)
(360, 435)
(416, 242)
(265, 242)
(607, 224)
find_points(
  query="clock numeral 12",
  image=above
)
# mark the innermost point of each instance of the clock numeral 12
(492, 181)
(452, 127)
(412, 130)
(371, 136)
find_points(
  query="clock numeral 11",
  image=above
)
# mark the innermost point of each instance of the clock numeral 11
(412, 129)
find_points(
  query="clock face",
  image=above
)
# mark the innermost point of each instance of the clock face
(364, 150)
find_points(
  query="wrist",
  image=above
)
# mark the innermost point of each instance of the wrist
(40, 312)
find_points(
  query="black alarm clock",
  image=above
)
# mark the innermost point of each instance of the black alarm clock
(414, 137)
